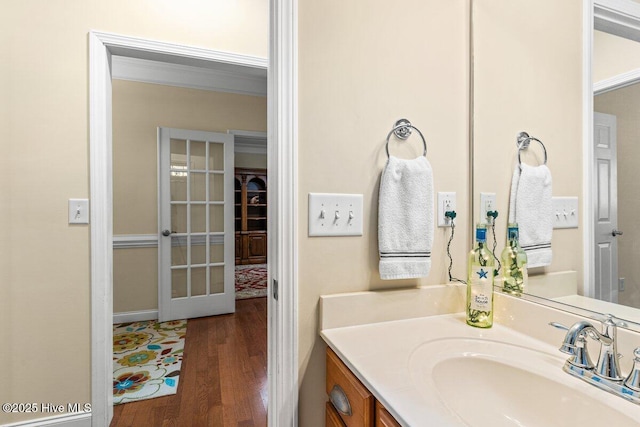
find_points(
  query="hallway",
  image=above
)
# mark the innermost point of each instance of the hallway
(224, 375)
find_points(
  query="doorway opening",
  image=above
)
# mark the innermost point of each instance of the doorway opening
(282, 400)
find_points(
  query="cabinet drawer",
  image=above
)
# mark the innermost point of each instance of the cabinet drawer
(384, 418)
(354, 402)
(332, 418)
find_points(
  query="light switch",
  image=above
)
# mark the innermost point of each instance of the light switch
(78, 211)
(335, 214)
(565, 212)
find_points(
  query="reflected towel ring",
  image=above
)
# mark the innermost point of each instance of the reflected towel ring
(523, 142)
(402, 130)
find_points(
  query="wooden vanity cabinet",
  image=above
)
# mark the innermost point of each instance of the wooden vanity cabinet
(384, 418)
(351, 404)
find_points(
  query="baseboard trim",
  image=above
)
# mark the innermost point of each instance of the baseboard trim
(76, 419)
(135, 316)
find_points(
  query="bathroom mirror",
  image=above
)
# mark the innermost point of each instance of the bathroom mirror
(527, 68)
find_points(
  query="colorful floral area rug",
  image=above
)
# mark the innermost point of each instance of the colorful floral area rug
(251, 281)
(147, 357)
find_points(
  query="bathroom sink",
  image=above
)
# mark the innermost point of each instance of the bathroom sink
(492, 383)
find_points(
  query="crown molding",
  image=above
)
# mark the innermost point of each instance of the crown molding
(249, 142)
(618, 17)
(243, 82)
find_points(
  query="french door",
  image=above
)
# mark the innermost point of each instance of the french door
(195, 224)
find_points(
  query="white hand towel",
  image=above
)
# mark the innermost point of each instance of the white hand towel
(530, 206)
(405, 218)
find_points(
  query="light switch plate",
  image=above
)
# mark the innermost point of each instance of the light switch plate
(565, 212)
(335, 214)
(78, 211)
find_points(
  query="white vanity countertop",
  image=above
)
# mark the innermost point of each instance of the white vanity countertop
(384, 357)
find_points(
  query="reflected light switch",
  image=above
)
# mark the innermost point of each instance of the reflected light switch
(78, 211)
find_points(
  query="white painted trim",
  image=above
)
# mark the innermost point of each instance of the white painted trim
(282, 111)
(251, 147)
(249, 141)
(135, 316)
(130, 241)
(79, 419)
(619, 17)
(282, 143)
(146, 71)
(100, 152)
(617, 82)
(587, 155)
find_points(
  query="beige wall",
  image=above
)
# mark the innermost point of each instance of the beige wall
(138, 110)
(528, 77)
(360, 69)
(613, 55)
(44, 267)
(625, 105)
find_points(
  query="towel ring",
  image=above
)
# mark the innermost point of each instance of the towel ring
(402, 130)
(523, 142)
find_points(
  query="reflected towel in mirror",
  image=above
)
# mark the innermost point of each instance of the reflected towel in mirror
(531, 207)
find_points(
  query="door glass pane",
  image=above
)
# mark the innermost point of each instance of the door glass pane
(216, 187)
(216, 156)
(179, 218)
(178, 154)
(198, 281)
(198, 155)
(178, 186)
(198, 186)
(178, 250)
(217, 279)
(198, 218)
(179, 283)
(216, 218)
(198, 251)
(216, 252)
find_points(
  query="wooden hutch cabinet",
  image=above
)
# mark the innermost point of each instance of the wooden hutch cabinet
(251, 216)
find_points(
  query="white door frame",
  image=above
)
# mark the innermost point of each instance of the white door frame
(620, 17)
(282, 140)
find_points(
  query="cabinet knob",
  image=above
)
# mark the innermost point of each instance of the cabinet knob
(340, 401)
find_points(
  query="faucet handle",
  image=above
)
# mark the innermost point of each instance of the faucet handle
(633, 379)
(558, 326)
(608, 318)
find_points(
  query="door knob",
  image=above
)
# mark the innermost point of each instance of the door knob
(615, 233)
(166, 233)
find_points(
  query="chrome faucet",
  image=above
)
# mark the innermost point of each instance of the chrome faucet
(574, 344)
(606, 373)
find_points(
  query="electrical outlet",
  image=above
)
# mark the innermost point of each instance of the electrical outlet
(446, 202)
(621, 284)
(487, 203)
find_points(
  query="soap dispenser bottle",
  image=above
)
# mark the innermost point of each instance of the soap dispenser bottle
(480, 282)
(514, 263)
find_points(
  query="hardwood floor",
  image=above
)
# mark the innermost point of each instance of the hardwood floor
(223, 380)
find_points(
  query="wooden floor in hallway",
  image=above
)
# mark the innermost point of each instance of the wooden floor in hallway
(223, 380)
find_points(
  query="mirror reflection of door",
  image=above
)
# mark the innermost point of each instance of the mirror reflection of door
(622, 107)
(606, 207)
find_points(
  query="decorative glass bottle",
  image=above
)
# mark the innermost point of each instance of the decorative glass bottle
(480, 282)
(514, 263)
